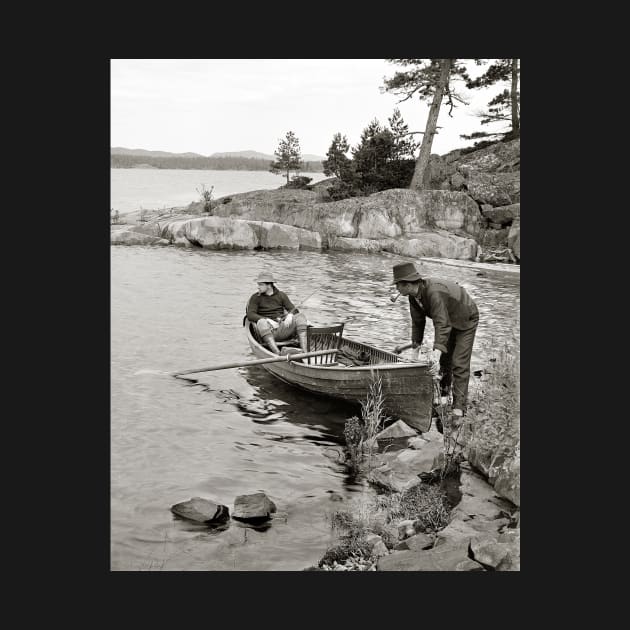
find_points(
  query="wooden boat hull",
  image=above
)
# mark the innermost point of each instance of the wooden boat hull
(407, 387)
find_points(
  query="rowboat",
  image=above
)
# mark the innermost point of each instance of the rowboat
(350, 369)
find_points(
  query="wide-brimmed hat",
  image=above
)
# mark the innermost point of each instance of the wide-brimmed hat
(265, 276)
(406, 272)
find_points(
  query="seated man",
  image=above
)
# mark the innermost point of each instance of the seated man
(275, 316)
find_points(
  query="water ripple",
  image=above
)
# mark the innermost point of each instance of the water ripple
(229, 432)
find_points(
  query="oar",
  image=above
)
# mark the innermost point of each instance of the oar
(225, 366)
(399, 349)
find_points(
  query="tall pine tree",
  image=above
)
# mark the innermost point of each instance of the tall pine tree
(404, 146)
(428, 79)
(371, 157)
(504, 106)
(289, 157)
(336, 162)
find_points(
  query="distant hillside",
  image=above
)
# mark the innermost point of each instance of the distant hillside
(122, 157)
(307, 157)
(201, 163)
(145, 153)
(244, 154)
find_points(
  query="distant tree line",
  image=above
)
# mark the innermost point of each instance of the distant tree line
(204, 163)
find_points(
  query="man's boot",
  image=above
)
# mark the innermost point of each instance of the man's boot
(271, 343)
(303, 341)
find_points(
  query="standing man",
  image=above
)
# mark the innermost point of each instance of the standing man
(274, 314)
(455, 318)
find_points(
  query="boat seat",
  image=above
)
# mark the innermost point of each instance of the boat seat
(323, 338)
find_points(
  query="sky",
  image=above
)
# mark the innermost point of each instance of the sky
(215, 105)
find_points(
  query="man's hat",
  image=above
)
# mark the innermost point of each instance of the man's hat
(265, 276)
(406, 272)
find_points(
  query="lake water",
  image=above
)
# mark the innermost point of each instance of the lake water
(240, 431)
(154, 189)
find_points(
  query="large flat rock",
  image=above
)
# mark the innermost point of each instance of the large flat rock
(445, 558)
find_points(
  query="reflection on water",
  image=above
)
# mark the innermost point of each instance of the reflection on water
(229, 432)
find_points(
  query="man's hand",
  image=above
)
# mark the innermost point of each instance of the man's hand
(435, 363)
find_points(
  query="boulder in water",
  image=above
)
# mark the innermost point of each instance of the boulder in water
(201, 511)
(253, 506)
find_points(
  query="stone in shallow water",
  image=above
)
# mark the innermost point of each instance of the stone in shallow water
(253, 506)
(201, 510)
(397, 430)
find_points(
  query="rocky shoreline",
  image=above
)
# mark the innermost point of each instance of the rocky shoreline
(470, 212)
(481, 531)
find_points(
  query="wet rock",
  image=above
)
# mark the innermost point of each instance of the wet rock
(127, 237)
(413, 462)
(377, 546)
(417, 542)
(397, 430)
(480, 458)
(383, 479)
(308, 239)
(201, 511)
(253, 506)
(416, 443)
(221, 233)
(445, 558)
(501, 556)
(346, 244)
(456, 532)
(469, 565)
(438, 244)
(274, 235)
(479, 498)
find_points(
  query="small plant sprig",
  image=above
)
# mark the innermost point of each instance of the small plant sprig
(206, 197)
(360, 434)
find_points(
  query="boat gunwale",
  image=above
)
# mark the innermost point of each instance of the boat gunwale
(333, 368)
